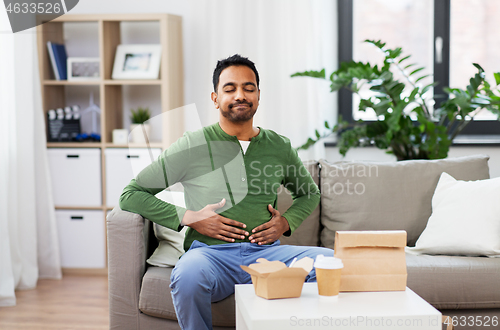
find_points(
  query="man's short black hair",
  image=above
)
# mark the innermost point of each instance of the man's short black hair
(234, 60)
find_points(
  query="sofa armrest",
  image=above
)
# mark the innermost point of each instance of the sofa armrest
(127, 249)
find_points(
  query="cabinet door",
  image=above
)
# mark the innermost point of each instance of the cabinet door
(81, 238)
(122, 165)
(76, 176)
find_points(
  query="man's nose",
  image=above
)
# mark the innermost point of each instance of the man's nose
(240, 94)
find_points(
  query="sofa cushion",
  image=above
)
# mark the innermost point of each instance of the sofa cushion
(387, 196)
(155, 299)
(307, 234)
(465, 219)
(170, 242)
(452, 282)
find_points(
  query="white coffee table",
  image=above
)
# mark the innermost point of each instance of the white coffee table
(353, 310)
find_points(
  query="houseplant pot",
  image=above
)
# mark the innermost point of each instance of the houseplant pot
(140, 133)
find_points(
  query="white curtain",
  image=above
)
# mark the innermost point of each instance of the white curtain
(281, 37)
(28, 238)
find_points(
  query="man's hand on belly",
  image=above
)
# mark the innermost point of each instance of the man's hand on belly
(270, 231)
(209, 223)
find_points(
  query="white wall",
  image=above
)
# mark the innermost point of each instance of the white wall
(374, 154)
(190, 27)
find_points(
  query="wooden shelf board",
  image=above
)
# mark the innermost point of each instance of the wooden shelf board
(111, 17)
(74, 144)
(133, 82)
(71, 82)
(76, 18)
(98, 208)
(134, 145)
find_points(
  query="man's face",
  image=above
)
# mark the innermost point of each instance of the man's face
(237, 95)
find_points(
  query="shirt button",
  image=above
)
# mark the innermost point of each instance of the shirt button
(243, 179)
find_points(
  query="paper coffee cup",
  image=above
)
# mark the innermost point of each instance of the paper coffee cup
(328, 275)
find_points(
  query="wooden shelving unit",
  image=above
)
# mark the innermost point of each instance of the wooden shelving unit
(110, 98)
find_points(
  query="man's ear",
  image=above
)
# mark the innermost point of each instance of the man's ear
(214, 99)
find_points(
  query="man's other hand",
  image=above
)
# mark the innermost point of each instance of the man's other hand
(270, 231)
(207, 222)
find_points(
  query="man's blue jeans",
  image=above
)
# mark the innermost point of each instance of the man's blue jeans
(208, 274)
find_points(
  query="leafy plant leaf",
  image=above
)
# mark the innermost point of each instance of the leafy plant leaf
(376, 128)
(423, 77)
(415, 71)
(428, 86)
(497, 77)
(413, 93)
(478, 67)
(312, 74)
(404, 58)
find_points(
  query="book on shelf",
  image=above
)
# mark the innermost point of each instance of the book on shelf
(58, 59)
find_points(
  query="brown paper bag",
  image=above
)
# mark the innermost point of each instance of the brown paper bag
(373, 260)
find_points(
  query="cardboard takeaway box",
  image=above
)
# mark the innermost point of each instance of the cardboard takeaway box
(373, 260)
(273, 279)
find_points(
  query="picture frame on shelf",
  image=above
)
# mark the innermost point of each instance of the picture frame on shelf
(137, 62)
(83, 68)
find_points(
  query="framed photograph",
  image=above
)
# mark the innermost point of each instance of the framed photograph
(137, 62)
(83, 68)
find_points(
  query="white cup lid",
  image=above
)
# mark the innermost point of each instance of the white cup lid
(328, 262)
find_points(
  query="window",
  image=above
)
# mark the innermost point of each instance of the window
(474, 38)
(383, 19)
(441, 35)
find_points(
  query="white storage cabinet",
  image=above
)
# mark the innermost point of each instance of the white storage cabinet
(81, 238)
(122, 165)
(76, 176)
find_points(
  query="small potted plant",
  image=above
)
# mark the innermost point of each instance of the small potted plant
(139, 129)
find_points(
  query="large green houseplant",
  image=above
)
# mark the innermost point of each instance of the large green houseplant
(406, 125)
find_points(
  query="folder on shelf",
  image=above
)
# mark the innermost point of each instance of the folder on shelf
(58, 59)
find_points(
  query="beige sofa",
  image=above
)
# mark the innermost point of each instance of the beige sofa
(382, 196)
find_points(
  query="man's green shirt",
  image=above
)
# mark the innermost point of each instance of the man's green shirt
(210, 165)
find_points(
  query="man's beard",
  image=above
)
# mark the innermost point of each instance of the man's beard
(239, 116)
